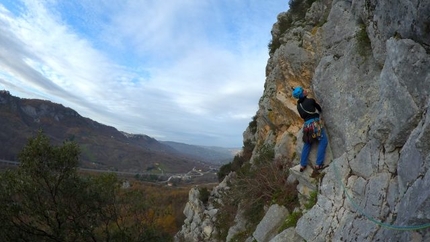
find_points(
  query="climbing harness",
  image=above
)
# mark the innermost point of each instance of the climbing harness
(312, 129)
(370, 218)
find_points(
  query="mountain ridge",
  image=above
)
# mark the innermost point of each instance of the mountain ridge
(102, 147)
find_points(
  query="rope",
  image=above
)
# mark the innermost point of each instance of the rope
(385, 225)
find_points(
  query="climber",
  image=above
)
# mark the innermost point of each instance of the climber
(313, 130)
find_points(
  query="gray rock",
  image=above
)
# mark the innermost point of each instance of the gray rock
(311, 225)
(288, 235)
(270, 224)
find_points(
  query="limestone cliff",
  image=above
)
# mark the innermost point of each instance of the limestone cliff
(367, 64)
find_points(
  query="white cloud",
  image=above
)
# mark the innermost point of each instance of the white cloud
(189, 71)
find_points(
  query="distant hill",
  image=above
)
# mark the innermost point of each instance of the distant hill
(210, 154)
(102, 146)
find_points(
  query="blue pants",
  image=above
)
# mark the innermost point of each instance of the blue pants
(322, 145)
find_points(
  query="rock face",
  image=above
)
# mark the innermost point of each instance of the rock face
(367, 64)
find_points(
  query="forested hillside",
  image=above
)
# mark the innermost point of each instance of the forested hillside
(47, 199)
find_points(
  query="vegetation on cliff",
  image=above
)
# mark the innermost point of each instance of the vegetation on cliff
(296, 13)
(258, 184)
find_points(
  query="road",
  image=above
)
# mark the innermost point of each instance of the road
(192, 173)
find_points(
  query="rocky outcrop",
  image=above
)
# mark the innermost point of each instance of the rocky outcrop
(367, 63)
(199, 224)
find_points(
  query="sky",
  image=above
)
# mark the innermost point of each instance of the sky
(189, 71)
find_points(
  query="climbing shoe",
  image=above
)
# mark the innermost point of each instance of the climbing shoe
(319, 167)
(302, 168)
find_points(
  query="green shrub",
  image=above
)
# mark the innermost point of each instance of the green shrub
(242, 236)
(312, 199)
(284, 24)
(300, 7)
(265, 154)
(247, 149)
(363, 41)
(253, 125)
(204, 194)
(291, 220)
(238, 160)
(254, 212)
(297, 12)
(224, 170)
(233, 166)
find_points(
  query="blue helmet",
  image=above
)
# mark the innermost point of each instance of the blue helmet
(298, 92)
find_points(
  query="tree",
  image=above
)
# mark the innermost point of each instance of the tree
(46, 200)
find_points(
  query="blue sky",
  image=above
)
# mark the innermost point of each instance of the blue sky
(189, 71)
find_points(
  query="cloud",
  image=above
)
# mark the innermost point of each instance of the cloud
(189, 71)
